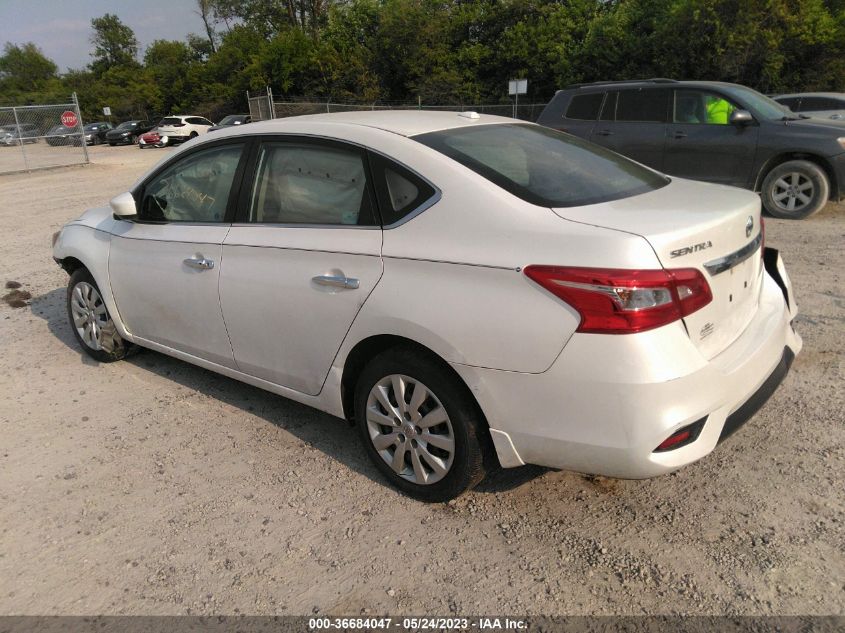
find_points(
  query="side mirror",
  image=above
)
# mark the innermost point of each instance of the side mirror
(123, 206)
(741, 117)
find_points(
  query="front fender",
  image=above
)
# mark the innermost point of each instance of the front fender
(91, 246)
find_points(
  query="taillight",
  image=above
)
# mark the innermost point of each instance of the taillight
(618, 301)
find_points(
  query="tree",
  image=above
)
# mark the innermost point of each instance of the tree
(115, 44)
(25, 68)
(168, 62)
(206, 13)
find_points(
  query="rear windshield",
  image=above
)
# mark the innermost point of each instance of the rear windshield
(170, 120)
(543, 166)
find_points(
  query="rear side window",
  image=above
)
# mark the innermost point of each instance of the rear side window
(400, 192)
(543, 166)
(585, 107)
(642, 105)
(301, 183)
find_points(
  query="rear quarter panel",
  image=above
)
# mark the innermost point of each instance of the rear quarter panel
(453, 274)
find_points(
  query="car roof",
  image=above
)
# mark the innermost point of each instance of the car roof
(835, 95)
(659, 82)
(402, 122)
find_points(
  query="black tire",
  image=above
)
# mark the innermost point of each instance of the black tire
(467, 424)
(798, 183)
(193, 135)
(112, 144)
(120, 347)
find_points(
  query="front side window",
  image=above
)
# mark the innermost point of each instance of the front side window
(194, 189)
(301, 183)
(702, 107)
(585, 107)
(543, 166)
(643, 105)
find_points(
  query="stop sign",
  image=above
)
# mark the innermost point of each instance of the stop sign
(69, 119)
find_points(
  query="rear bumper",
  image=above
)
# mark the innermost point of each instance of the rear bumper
(608, 401)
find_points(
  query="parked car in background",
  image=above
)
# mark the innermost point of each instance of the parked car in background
(16, 134)
(95, 133)
(127, 133)
(178, 129)
(717, 132)
(489, 289)
(230, 120)
(61, 135)
(825, 105)
(151, 139)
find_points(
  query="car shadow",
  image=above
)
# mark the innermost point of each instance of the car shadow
(332, 436)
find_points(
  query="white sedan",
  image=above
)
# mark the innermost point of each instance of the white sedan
(470, 291)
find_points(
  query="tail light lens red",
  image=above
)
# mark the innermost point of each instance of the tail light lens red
(619, 301)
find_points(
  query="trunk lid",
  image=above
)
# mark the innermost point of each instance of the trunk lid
(689, 224)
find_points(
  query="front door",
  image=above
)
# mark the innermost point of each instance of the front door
(301, 261)
(702, 144)
(164, 267)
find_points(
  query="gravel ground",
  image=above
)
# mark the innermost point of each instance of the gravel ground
(154, 487)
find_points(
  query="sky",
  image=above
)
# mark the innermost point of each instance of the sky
(62, 28)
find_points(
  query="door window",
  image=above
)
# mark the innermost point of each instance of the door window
(608, 111)
(194, 189)
(702, 107)
(299, 183)
(820, 104)
(642, 105)
(585, 107)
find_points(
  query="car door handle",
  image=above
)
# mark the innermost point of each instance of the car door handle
(200, 263)
(680, 134)
(604, 133)
(336, 281)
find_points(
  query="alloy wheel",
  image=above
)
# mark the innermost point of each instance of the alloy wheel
(91, 319)
(793, 191)
(410, 429)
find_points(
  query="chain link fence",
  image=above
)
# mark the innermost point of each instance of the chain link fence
(41, 136)
(524, 112)
(261, 106)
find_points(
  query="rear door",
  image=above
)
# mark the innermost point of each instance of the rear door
(301, 260)
(702, 144)
(633, 123)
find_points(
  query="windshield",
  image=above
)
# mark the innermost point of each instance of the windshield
(543, 166)
(231, 119)
(127, 125)
(761, 104)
